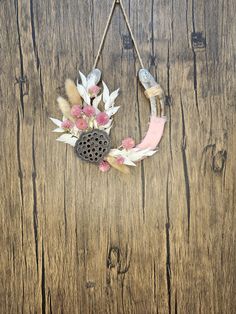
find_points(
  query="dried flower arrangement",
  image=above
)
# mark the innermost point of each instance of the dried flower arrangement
(87, 121)
(88, 115)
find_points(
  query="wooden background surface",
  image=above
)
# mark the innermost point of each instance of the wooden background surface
(161, 240)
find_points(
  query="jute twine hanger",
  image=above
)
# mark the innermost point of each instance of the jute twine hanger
(119, 2)
(151, 91)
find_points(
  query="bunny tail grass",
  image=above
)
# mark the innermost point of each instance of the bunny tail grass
(65, 108)
(72, 93)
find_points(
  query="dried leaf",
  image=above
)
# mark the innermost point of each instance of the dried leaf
(133, 155)
(106, 93)
(108, 124)
(123, 153)
(72, 93)
(108, 130)
(97, 101)
(111, 99)
(128, 162)
(83, 79)
(56, 121)
(84, 94)
(65, 108)
(95, 124)
(112, 111)
(59, 130)
(91, 123)
(106, 127)
(137, 154)
(112, 161)
(114, 94)
(67, 139)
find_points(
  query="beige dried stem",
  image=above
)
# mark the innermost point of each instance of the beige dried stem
(72, 92)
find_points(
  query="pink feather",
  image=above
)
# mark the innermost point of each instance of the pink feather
(154, 133)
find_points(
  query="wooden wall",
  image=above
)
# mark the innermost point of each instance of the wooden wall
(161, 240)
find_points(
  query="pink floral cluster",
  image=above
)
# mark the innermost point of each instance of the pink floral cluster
(82, 117)
(128, 143)
(104, 166)
(94, 91)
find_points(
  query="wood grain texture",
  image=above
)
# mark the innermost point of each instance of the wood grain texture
(161, 240)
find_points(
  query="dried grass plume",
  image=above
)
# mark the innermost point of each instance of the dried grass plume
(65, 108)
(72, 93)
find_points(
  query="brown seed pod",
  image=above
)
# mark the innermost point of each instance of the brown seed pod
(93, 146)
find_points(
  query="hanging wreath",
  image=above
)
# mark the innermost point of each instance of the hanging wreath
(87, 116)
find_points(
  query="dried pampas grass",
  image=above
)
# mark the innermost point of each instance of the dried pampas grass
(72, 93)
(65, 108)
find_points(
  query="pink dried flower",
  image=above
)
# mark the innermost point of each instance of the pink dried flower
(76, 111)
(120, 160)
(89, 111)
(104, 166)
(128, 143)
(102, 118)
(81, 124)
(67, 124)
(94, 90)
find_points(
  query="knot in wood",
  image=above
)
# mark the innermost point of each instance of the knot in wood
(219, 161)
(93, 146)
